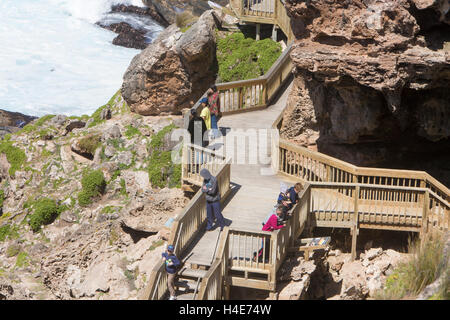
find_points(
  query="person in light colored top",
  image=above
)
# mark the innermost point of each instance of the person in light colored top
(205, 114)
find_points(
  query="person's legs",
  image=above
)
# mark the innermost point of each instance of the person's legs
(209, 215)
(218, 214)
(171, 284)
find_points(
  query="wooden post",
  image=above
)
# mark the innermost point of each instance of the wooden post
(258, 31)
(275, 33)
(426, 209)
(355, 224)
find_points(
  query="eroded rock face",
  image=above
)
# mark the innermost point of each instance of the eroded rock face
(169, 9)
(372, 79)
(173, 71)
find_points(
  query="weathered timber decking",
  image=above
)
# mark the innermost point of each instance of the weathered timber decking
(253, 195)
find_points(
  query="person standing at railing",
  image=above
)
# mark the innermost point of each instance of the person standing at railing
(205, 113)
(197, 129)
(211, 189)
(214, 108)
(270, 225)
(172, 264)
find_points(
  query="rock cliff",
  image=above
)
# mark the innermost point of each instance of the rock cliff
(174, 70)
(100, 248)
(372, 81)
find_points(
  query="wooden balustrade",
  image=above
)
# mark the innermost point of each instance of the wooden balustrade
(196, 158)
(310, 166)
(213, 284)
(156, 288)
(184, 229)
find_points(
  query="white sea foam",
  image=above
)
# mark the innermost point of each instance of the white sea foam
(53, 59)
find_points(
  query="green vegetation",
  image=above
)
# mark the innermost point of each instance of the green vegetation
(156, 244)
(243, 58)
(16, 156)
(43, 120)
(162, 171)
(89, 143)
(111, 209)
(2, 197)
(131, 131)
(45, 211)
(184, 20)
(12, 250)
(425, 266)
(22, 260)
(8, 231)
(123, 189)
(97, 113)
(93, 183)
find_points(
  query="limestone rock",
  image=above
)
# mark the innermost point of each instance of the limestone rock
(371, 76)
(172, 71)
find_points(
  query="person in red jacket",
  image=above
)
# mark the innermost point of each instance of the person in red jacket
(270, 225)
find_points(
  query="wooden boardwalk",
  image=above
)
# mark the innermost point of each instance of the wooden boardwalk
(253, 195)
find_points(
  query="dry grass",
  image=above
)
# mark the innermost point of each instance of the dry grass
(424, 267)
(185, 19)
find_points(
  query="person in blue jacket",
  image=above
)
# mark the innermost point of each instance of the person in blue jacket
(172, 265)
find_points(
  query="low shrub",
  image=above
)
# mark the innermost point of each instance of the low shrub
(8, 231)
(162, 171)
(22, 260)
(12, 250)
(185, 19)
(2, 197)
(241, 58)
(131, 131)
(89, 143)
(45, 211)
(15, 156)
(93, 185)
(424, 267)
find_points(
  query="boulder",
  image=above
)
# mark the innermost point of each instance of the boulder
(75, 124)
(111, 132)
(172, 71)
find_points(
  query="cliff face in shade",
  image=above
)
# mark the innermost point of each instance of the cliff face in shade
(174, 70)
(372, 81)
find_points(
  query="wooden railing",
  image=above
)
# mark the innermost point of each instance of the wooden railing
(253, 94)
(196, 158)
(184, 229)
(212, 287)
(310, 166)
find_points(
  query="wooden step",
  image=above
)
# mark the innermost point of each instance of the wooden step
(186, 284)
(186, 296)
(192, 273)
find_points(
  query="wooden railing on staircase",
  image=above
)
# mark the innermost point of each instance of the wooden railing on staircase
(184, 229)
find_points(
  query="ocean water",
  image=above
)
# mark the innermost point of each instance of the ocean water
(55, 60)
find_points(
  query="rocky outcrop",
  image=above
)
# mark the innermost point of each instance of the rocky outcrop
(9, 121)
(371, 80)
(174, 70)
(170, 8)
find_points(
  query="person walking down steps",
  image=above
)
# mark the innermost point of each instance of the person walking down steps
(172, 264)
(211, 189)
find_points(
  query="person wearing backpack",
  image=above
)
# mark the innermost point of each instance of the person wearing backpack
(211, 189)
(172, 264)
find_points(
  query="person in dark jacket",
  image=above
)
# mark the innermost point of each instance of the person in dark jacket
(211, 189)
(172, 265)
(197, 129)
